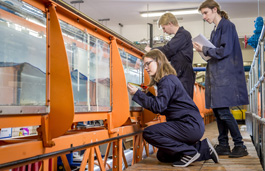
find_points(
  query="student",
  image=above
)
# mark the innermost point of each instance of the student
(179, 50)
(225, 83)
(178, 139)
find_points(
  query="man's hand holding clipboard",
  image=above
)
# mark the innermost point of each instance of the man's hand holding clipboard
(200, 41)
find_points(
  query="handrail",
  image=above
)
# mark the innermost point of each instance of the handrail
(254, 81)
(255, 120)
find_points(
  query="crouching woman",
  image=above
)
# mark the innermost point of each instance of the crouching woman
(178, 139)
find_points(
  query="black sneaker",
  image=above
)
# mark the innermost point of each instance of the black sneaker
(222, 150)
(186, 160)
(239, 151)
(213, 153)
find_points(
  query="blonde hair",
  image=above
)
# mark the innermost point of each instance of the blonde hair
(163, 66)
(166, 19)
(211, 4)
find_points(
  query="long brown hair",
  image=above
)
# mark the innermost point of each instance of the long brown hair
(211, 4)
(163, 66)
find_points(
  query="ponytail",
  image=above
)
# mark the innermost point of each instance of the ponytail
(224, 14)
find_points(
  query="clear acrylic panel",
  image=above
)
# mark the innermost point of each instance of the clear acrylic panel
(89, 61)
(22, 55)
(133, 69)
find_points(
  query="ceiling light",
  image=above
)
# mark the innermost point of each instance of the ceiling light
(76, 1)
(174, 12)
(104, 19)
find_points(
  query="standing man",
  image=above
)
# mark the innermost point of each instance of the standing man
(179, 51)
(225, 83)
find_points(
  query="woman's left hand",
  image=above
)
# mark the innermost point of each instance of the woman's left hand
(197, 46)
(132, 89)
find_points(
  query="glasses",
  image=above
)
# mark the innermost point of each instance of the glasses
(147, 64)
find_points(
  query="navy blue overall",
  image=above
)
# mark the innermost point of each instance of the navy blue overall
(179, 51)
(182, 132)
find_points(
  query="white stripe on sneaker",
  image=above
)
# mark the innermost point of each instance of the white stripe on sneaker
(212, 150)
(187, 160)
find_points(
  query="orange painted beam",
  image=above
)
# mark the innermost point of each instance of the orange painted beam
(106, 154)
(38, 4)
(19, 121)
(82, 22)
(65, 162)
(61, 94)
(99, 157)
(85, 159)
(21, 21)
(78, 117)
(120, 111)
(117, 155)
(129, 48)
(91, 160)
(33, 148)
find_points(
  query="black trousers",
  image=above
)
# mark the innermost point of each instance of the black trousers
(226, 122)
(177, 138)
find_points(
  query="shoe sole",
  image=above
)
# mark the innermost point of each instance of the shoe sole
(213, 150)
(189, 162)
(237, 156)
(224, 153)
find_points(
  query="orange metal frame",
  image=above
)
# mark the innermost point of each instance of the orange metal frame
(55, 136)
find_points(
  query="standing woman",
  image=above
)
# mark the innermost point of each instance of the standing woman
(225, 84)
(178, 139)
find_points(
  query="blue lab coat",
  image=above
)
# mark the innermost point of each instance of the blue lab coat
(179, 51)
(225, 83)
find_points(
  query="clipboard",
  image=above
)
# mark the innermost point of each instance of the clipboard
(205, 42)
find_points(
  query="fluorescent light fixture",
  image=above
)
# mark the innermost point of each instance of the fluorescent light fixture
(77, 2)
(174, 12)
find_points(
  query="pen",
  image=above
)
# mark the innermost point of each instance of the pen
(142, 85)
